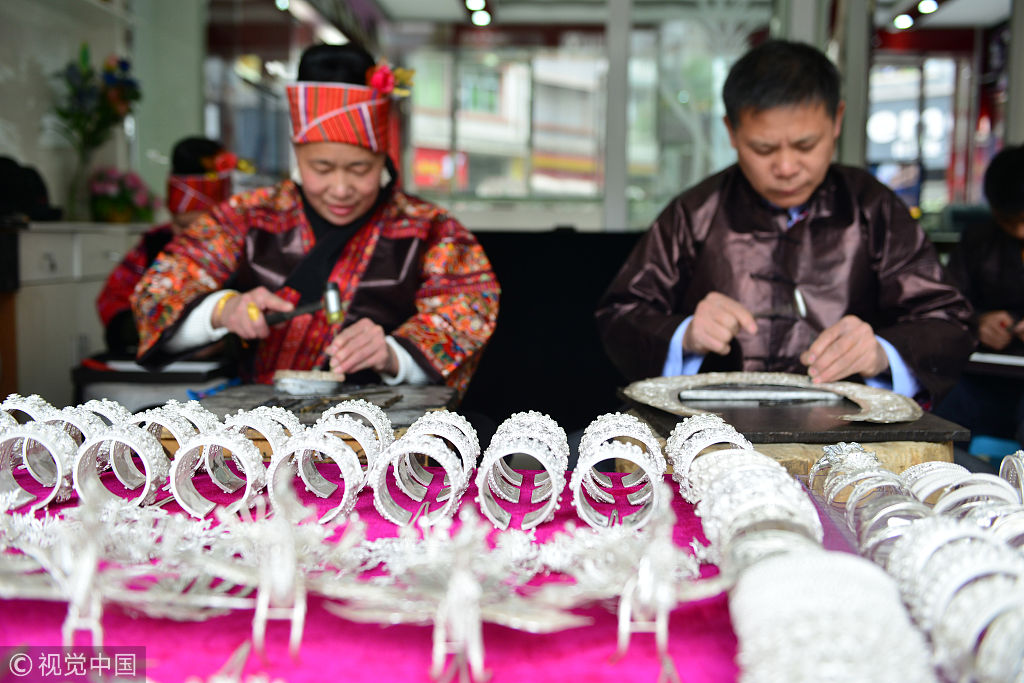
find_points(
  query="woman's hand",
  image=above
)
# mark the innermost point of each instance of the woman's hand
(360, 346)
(243, 313)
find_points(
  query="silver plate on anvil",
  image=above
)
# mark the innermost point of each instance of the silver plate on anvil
(877, 405)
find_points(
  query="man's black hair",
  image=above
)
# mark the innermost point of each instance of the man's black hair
(335, 64)
(780, 73)
(1004, 181)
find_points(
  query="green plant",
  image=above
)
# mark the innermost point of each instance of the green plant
(95, 102)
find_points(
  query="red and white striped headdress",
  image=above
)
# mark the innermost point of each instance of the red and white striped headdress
(200, 192)
(340, 112)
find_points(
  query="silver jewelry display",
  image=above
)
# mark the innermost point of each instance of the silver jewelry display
(122, 441)
(47, 452)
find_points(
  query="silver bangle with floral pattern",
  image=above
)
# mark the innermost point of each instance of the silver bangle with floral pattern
(247, 458)
(122, 440)
(431, 447)
(298, 454)
(48, 453)
(491, 485)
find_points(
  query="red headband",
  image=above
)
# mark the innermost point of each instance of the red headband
(340, 112)
(199, 192)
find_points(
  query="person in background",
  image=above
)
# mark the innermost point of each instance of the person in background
(418, 294)
(787, 261)
(988, 265)
(200, 178)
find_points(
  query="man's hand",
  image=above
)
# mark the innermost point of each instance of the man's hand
(847, 348)
(715, 323)
(359, 346)
(243, 313)
(996, 329)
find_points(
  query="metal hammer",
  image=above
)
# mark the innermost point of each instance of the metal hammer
(331, 305)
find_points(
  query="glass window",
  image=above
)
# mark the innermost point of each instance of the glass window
(915, 130)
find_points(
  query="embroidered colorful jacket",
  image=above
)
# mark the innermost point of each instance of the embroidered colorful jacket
(411, 268)
(116, 293)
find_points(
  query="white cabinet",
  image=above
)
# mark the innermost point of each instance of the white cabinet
(62, 269)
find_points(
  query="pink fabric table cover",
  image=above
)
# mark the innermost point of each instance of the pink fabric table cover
(702, 643)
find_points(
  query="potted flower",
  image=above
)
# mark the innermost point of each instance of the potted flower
(91, 106)
(118, 197)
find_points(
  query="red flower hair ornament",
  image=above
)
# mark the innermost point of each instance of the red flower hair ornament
(387, 81)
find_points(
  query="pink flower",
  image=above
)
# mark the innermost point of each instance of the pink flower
(132, 180)
(381, 79)
(141, 198)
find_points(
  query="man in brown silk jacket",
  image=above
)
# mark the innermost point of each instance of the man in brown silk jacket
(787, 261)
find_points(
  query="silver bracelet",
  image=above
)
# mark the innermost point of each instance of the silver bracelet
(613, 427)
(347, 427)
(298, 454)
(48, 453)
(642, 459)
(416, 444)
(35, 407)
(708, 467)
(268, 422)
(976, 487)
(155, 421)
(954, 566)
(247, 458)
(457, 431)
(684, 455)
(1012, 470)
(490, 483)
(121, 441)
(839, 455)
(373, 414)
(109, 410)
(539, 426)
(915, 547)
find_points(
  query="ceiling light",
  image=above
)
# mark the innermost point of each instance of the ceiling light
(927, 6)
(481, 18)
(281, 5)
(903, 21)
(475, 5)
